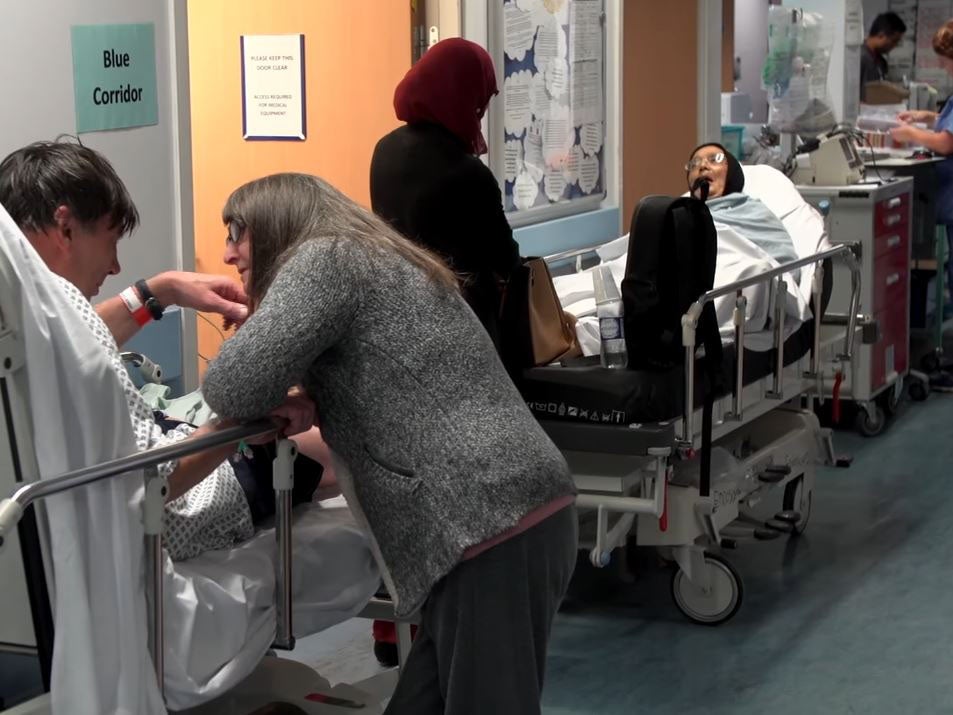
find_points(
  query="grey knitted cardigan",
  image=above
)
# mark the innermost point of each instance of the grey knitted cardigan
(439, 449)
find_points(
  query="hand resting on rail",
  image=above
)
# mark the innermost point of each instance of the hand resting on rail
(293, 417)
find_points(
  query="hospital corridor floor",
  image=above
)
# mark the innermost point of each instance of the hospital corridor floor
(855, 616)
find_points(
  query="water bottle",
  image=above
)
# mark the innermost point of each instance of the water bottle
(609, 313)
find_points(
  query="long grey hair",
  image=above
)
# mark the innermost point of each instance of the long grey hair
(283, 210)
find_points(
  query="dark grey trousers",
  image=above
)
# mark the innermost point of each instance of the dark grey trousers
(481, 645)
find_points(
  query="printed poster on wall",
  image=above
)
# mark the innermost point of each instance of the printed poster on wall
(273, 87)
(553, 101)
(114, 76)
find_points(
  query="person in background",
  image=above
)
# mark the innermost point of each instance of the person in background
(886, 32)
(428, 182)
(938, 138)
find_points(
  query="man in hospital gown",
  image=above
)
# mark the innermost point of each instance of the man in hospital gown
(73, 209)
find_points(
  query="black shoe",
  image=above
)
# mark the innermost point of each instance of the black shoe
(386, 654)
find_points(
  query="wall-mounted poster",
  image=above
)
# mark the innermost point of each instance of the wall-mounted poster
(273, 102)
(549, 129)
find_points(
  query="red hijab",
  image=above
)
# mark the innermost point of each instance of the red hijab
(451, 85)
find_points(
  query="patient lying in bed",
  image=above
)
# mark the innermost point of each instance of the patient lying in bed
(761, 221)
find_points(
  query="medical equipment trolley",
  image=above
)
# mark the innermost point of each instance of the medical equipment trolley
(877, 216)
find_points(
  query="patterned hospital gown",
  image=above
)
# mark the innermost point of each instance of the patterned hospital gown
(213, 514)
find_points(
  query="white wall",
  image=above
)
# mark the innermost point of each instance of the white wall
(36, 74)
(872, 8)
(710, 22)
(751, 47)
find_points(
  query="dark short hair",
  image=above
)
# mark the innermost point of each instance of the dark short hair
(40, 177)
(887, 23)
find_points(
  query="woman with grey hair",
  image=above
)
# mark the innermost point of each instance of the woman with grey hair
(470, 505)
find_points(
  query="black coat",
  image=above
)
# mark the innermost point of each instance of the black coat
(428, 187)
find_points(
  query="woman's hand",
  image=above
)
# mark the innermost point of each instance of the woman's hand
(296, 414)
(917, 116)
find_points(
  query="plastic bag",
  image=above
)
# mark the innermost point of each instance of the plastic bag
(795, 73)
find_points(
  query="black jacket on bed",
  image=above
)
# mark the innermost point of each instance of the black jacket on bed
(428, 187)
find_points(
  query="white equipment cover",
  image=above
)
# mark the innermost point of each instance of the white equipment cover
(738, 258)
(220, 606)
(79, 418)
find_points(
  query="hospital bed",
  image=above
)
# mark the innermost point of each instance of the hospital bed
(213, 621)
(636, 460)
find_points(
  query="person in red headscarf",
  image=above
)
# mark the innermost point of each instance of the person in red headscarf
(428, 182)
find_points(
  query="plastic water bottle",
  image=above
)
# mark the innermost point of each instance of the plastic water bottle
(609, 313)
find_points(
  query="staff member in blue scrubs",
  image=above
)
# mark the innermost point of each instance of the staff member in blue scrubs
(938, 139)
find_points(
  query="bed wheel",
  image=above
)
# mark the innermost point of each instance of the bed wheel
(919, 390)
(893, 397)
(796, 498)
(721, 602)
(871, 426)
(930, 362)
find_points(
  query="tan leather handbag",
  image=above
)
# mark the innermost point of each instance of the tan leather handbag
(535, 330)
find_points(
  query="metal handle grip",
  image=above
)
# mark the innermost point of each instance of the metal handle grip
(10, 513)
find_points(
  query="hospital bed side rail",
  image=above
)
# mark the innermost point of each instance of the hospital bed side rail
(848, 252)
(156, 489)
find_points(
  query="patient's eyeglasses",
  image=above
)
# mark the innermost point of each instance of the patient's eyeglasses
(236, 231)
(697, 161)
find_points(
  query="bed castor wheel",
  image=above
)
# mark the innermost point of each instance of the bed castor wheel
(891, 398)
(930, 362)
(871, 423)
(797, 500)
(919, 390)
(765, 534)
(714, 597)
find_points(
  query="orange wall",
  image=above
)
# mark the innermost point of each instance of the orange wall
(659, 97)
(356, 51)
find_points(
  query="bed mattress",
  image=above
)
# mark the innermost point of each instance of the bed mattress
(583, 391)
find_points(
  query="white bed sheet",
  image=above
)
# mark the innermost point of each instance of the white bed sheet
(737, 258)
(219, 606)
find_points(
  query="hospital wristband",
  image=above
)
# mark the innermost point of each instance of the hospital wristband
(139, 312)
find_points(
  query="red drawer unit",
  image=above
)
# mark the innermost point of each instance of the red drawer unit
(891, 279)
(890, 214)
(879, 217)
(890, 354)
(889, 241)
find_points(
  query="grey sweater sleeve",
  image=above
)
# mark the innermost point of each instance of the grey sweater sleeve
(310, 304)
